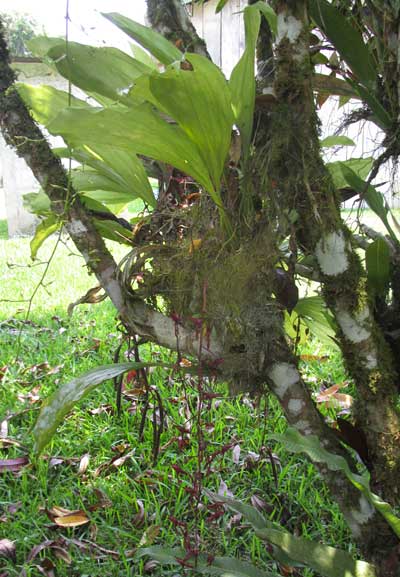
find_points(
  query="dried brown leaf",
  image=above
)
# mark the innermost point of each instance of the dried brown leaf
(13, 465)
(8, 550)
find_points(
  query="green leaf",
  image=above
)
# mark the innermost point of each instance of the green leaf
(269, 14)
(114, 231)
(143, 56)
(232, 567)
(336, 141)
(377, 260)
(324, 559)
(242, 81)
(55, 409)
(380, 116)
(46, 102)
(373, 197)
(313, 312)
(346, 39)
(297, 443)
(220, 5)
(37, 203)
(164, 555)
(225, 566)
(151, 40)
(103, 70)
(46, 228)
(137, 130)
(121, 167)
(198, 99)
(361, 166)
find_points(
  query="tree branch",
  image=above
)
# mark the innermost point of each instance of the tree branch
(170, 18)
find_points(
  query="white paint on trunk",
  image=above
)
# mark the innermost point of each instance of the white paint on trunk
(355, 327)
(371, 360)
(331, 254)
(77, 228)
(283, 375)
(358, 517)
(295, 406)
(303, 426)
(288, 27)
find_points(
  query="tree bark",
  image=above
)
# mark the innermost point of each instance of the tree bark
(305, 186)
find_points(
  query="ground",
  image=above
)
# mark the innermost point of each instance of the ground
(96, 463)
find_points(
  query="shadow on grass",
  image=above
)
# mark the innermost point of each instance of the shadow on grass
(3, 230)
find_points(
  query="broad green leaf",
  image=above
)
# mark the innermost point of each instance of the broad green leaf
(43, 231)
(346, 39)
(373, 197)
(135, 130)
(198, 99)
(269, 14)
(361, 166)
(151, 40)
(333, 140)
(242, 82)
(232, 567)
(46, 102)
(377, 261)
(380, 115)
(324, 559)
(114, 231)
(40, 45)
(313, 312)
(119, 166)
(164, 555)
(297, 443)
(37, 203)
(55, 409)
(103, 70)
(224, 566)
(220, 5)
(143, 56)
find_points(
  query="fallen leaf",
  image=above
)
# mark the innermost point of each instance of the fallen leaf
(150, 535)
(8, 550)
(83, 464)
(72, 520)
(223, 490)
(13, 465)
(236, 454)
(139, 518)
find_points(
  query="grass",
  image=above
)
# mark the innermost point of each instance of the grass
(112, 493)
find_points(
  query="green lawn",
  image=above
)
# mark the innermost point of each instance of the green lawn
(130, 500)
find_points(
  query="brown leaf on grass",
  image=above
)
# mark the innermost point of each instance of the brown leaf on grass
(13, 465)
(62, 554)
(103, 502)
(4, 429)
(75, 519)
(8, 550)
(139, 519)
(3, 371)
(66, 518)
(83, 464)
(332, 398)
(150, 535)
(320, 358)
(236, 454)
(6, 442)
(223, 490)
